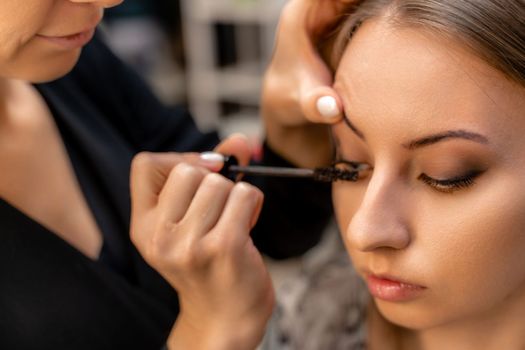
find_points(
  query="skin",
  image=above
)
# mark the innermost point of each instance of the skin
(31, 151)
(290, 91)
(201, 246)
(23, 24)
(464, 245)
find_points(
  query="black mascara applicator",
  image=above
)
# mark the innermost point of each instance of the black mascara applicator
(324, 174)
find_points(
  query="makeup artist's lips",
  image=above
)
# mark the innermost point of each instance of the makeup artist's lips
(390, 289)
(71, 42)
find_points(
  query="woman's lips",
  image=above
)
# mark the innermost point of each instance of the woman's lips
(389, 289)
(71, 42)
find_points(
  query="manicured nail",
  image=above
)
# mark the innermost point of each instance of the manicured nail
(327, 107)
(212, 158)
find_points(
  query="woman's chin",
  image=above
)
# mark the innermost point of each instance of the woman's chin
(408, 316)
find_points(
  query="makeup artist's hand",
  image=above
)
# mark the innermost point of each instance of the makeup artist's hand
(297, 88)
(192, 225)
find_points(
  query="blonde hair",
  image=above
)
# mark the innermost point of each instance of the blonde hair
(493, 29)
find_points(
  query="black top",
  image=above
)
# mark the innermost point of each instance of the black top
(52, 296)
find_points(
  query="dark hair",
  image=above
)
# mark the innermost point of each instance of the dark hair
(493, 29)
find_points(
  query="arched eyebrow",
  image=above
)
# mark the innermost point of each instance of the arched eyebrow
(353, 128)
(430, 139)
(449, 134)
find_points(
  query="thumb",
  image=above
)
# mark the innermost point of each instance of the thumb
(319, 102)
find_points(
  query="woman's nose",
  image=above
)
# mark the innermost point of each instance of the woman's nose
(102, 3)
(381, 220)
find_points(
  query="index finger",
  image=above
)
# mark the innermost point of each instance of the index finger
(149, 172)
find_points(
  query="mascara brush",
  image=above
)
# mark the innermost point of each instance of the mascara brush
(324, 174)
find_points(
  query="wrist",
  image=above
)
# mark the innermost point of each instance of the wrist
(185, 335)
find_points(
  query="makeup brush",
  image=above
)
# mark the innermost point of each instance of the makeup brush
(324, 174)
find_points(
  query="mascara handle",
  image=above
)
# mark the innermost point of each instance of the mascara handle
(229, 160)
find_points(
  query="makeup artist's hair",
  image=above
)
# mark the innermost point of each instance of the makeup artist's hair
(493, 29)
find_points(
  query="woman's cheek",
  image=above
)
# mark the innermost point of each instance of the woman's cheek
(473, 248)
(347, 198)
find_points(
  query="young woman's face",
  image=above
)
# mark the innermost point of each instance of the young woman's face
(437, 227)
(41, 39)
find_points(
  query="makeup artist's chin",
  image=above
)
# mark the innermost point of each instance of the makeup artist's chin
(52, 64)
(56, 68)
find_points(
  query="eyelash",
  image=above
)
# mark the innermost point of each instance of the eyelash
(451, 185)
(445, 186)
(350, 166)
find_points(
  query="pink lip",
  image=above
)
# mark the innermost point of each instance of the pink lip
(70, 42)
(390, 289)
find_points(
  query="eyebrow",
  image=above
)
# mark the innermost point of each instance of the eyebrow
(430, 139)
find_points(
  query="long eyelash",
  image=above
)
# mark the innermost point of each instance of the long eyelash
(332, 174)
(353, 174)
(451, 185)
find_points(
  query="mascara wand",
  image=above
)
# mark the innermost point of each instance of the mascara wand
(325, 174)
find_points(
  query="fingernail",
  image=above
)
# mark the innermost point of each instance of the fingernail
(212, 158)
(327, 107)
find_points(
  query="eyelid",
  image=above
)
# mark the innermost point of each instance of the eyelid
(452, 184)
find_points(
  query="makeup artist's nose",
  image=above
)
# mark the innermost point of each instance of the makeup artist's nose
(380, 221)
(102, 3)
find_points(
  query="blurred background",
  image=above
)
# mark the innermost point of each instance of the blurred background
(207, 54)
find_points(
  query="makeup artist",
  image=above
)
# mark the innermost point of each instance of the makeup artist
(72, 118)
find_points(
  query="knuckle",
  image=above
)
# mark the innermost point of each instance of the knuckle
(220, 245)
(187, 257)
(186, 170)
(275, 88)
(134, 236)
(185, 253)
(142, 160)
(154, 250)
(156, 244)
(216, 181)
(246, 191)
(287, 13)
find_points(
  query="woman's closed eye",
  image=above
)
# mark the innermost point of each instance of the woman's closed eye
(448, 185)
(453, 184)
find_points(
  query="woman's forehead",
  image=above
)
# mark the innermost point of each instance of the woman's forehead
(421, 78)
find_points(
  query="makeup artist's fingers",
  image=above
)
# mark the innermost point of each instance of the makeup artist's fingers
(321, 104)
(161, 191)
(240, 213)
(207, 204)
(236, 145)
(179, 190)
(149, 172)
(298, 83)
(195, 233)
